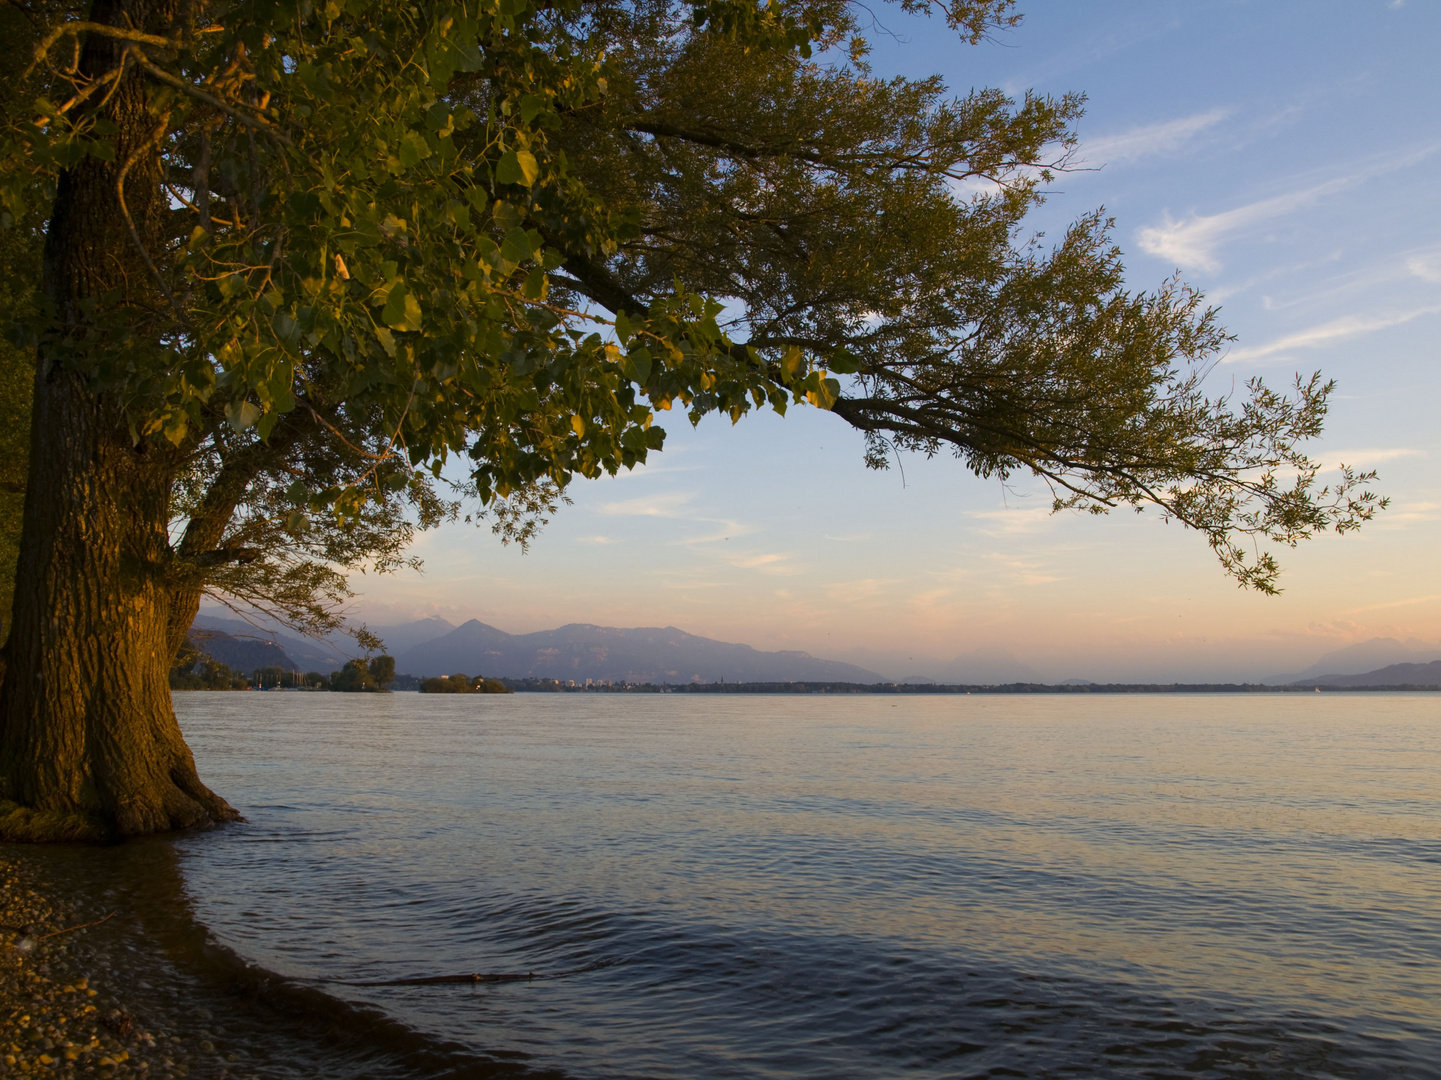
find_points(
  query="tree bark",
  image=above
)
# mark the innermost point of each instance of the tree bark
(89, 744)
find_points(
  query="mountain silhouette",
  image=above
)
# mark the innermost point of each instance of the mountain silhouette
(581, 651)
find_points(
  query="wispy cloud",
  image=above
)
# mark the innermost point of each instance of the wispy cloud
(594, 540)
(1409, 513)
(668, 505)
(1010, 522)
(1426, 266)
(1366, 459)
(863, 590)
(771, 562)
(1348, 326)
(1022, 571)
(1192, 242)
(676, 506)
(1150, 139)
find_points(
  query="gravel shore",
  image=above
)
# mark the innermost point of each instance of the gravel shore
(62, 1010)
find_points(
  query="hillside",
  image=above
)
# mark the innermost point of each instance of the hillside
(242, 654)
(1394, 675)
(582, 651)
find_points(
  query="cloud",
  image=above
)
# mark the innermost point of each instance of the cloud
(594, 540)
(1191, 243)
(1409, 513)
(669, 506)
(769, 562)
(1021, 520)
(1150, 139)
(1022, 571)
(1427, 266)
(1365, 459)
(675, 506)
(1347, 326)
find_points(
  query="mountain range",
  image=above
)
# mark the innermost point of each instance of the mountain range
(581, 651)
(578, 651)
(1363, 658)
(1392, 675)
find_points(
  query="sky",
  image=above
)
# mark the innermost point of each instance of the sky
(1282, 156)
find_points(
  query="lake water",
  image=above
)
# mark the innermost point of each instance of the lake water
(805, 886)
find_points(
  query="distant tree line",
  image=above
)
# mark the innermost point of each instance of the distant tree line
(193, 670)
(538, 685)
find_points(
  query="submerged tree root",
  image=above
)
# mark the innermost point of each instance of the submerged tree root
(436, 980)
(498, 977)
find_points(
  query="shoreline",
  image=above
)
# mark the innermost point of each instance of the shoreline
(104, 973)
(62, 1010)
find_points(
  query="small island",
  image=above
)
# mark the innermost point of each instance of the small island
(463, 684)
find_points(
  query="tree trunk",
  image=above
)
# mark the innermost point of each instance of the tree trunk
(89, 744)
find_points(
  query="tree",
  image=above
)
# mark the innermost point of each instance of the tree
(382, 670)
(299, 257)
(353, 678)
(20, 259)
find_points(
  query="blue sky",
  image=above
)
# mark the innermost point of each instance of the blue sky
(1283, 156)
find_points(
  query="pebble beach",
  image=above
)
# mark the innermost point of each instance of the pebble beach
(63, 1010)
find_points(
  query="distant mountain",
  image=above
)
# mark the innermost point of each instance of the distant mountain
(1394, 675)
(1363, 657)
(330, 653)
(405, 636)
(240, 654)
(581, 651)
(306, 654)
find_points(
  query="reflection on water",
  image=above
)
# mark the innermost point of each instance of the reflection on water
(826, 887)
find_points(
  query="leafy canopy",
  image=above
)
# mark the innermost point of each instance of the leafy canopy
(393, 236)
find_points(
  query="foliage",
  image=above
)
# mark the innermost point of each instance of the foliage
(353, 678)
(382, 670)
(413, 254)
(207, 675)
(463, 684)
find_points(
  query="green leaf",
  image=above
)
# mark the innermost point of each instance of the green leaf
(517, 167)
(413, 149)
(437, 117)
(531, 107)
(536, 285)
(516, 248)
(637, 366)
(242, 415)
(402, 309)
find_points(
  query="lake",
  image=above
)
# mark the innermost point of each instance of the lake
(802, 886)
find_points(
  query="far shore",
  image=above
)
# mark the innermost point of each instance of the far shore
(555, 686)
